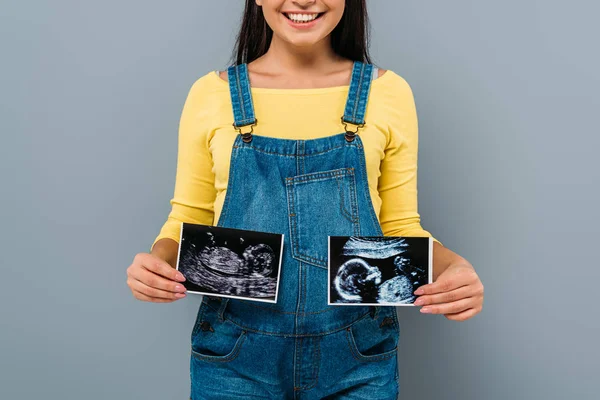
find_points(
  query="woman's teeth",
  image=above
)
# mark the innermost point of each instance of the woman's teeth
(302, 17)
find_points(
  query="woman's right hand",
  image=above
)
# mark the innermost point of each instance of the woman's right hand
(153, 279)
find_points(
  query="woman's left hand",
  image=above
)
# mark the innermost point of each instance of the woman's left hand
(457, 293)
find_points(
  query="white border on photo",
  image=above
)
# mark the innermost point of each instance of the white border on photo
(237, 297)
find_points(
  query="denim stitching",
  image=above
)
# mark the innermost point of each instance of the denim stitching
(354, 205)
(343, 210)
(320, 175)
(366, 358)
(296, 335)
(291, 334)
(239, 86)
(249, 92)
(249, 145)
(234, 95)
(351, 93)
(291, 312)
(315, 369)
(312, 177)
(228, 357)
(358, 92)
(364, 94)
(395, 318)
(298, 343)
(294, 234)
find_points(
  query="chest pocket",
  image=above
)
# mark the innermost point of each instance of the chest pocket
(321, 204)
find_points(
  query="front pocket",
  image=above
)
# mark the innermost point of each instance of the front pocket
(321, 204)
(374, 339)
(213, 339)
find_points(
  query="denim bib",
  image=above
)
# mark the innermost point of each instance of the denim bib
(298, 347)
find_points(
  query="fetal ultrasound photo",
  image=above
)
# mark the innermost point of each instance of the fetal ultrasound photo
(378, 270)
(228, 262)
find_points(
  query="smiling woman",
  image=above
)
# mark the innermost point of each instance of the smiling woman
(301, 136)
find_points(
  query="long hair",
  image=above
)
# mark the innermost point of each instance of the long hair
(349, 39)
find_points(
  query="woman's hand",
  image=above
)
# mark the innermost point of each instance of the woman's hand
(457, 293)
(152, 279)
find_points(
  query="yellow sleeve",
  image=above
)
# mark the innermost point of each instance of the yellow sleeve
(397, 185)
(194, 192)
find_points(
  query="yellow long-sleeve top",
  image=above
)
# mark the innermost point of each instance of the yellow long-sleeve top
(206, 136)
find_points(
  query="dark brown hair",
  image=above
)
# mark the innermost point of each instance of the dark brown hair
(349, 39)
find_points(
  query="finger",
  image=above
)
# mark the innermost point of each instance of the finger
(462, 316)
(160, 267)
(153, 292)
(447, 282)
(151, 279)
(449, 308)
(143, 297)
(446, 297)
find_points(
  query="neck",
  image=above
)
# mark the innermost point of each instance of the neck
(286, 58)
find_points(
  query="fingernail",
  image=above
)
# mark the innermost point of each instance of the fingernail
(419, 302)
(419, 291)
(180, 276)
(425, 310)
(179, 288)
(180, 295)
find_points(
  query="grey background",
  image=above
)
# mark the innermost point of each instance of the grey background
(90, 100)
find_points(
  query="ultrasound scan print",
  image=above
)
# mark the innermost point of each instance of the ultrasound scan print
(228, 262)
(378, 270)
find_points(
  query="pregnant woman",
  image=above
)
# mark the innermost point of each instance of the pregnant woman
(301, 135)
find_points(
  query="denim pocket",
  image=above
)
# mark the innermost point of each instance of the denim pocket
(321, 204)
(214, 339)
(376, 339)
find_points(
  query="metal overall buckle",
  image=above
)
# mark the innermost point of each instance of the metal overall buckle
(350, 135)
(246, 136)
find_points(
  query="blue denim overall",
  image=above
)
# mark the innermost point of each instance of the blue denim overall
(299, 347)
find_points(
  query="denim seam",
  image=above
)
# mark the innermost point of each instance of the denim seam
(249, 145)
(243, 122)
(294, 231)
(248, 92)
(292, 155)
(354, 204)
(320, 175)
(312, 177)
(232, 355)
(363, 357)
(352, 93)
(248, 329)
(291, 312)
(358, 92)
(395, 317)
(364, 94)
(240, 95)
(297, 343)
(343, 210)
(315, 376)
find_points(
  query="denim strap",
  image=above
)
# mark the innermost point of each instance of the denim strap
(241, 97)
(356, 102)
(358, 94)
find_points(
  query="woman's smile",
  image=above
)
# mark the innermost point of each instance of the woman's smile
(302, 19)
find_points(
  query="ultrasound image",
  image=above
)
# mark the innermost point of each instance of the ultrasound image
(377, 269)
(230, 262)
